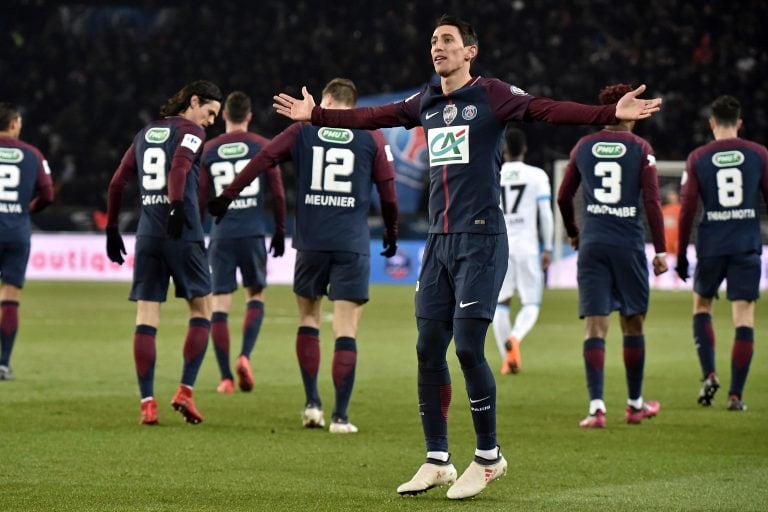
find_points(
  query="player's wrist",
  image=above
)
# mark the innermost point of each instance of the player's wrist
(661, 254)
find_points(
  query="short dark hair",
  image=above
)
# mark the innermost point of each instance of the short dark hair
(726, 110)
(179, 102)
(238, 106)
(342, 90)
(515, 139)
(613, 93)
(466, 30)
(8, 112)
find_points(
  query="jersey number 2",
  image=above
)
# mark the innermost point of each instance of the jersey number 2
(224, 173)
(10, 177)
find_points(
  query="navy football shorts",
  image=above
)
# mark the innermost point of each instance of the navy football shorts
(612, 278)
(341, 275)
(741, 272)
(160, 259)
(13, 262)
(461, 276)
(226, 255)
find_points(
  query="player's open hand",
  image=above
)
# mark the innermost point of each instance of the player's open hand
(115, 245)
(218, 206)
(632, 108)
(298, 110)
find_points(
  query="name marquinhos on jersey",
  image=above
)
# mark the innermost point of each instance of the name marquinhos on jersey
(150, 199)
(10, 208)
(615, 211)
(448, 145)
(743, 213)
(243, 203)
(324, 200)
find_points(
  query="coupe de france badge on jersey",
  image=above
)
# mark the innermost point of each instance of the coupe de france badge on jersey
(449, 113)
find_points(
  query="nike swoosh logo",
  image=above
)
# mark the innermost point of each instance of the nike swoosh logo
(431, 115)
(463, 305)
(478, 400)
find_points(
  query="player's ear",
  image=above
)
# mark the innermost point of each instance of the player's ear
(194, 101)
(471, 52)
(739, 124)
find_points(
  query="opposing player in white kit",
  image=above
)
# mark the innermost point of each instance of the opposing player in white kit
(526, 200)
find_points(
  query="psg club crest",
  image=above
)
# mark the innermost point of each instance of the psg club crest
(469, 112)
(449, 113)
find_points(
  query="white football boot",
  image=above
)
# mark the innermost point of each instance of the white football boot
(476, 478)
(428, 476)
(312, 417)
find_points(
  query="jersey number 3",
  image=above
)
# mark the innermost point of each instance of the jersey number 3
(610, 184)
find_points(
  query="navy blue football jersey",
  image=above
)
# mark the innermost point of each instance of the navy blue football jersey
(154, 148)
(223, 158)
(336, 169)
(610, 165)
(465, 131)
(23, 172)
(728, 176)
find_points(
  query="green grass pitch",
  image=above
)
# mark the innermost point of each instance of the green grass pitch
(70, 439)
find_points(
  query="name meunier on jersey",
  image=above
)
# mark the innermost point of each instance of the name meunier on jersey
(150, 199)
(323, 200)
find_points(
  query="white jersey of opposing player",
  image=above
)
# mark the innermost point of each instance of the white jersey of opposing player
(526, 199)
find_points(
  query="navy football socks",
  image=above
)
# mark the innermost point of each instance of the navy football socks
(704, 339)
(144, 355)
(343, 370)
(308, 354)
(741, 357)
(9, 325)
(254, 315)
(594, 362)
(634, 363)
(220, 335)
(194, 349)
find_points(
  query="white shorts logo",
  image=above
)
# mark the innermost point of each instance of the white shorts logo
(449, 145)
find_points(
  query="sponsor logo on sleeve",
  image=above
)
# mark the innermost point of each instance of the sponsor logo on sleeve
(728, 158)
(609, 150)
(11, 155)
(233, 150)
(46, 167)
(336, 135)
(193, 142)
(517, 91)
(651, 160)
(448, 145)
(157, 135)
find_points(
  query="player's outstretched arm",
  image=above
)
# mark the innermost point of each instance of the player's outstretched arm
(293, 108)
(632, 108)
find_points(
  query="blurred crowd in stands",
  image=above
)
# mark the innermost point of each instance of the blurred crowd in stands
(88, 76)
